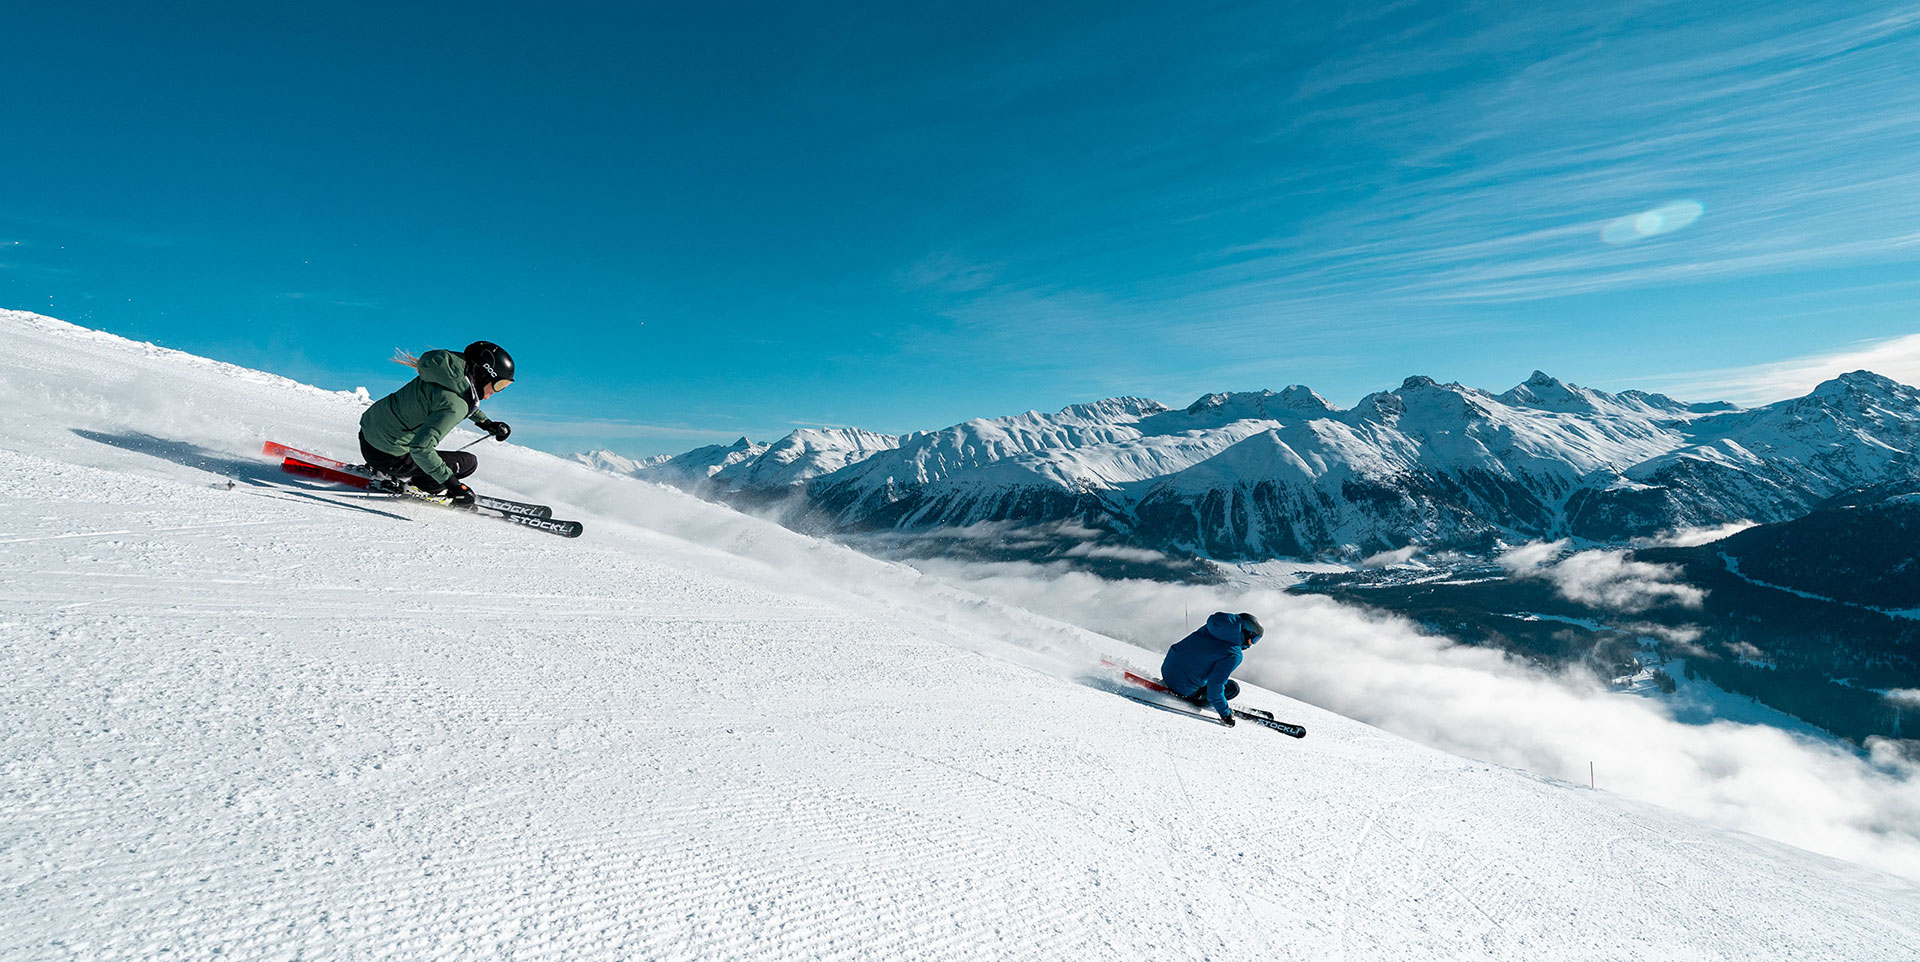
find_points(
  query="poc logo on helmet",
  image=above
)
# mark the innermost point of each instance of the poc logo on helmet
(490, 361)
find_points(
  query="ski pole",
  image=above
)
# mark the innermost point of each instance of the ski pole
(473, 442)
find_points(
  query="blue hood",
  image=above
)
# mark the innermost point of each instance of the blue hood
(1225, 625)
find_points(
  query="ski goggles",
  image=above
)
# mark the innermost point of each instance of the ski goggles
(500, 385)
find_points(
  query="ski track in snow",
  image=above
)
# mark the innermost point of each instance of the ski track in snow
(280, 722)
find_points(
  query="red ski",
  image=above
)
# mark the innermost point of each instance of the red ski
(1256, 715)
(275, 449)
(536, 516)
(1135, 677)
(336, 475)
(354, 475)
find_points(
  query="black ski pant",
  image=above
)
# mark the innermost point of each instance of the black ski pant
(1200, 697)
(401, 465)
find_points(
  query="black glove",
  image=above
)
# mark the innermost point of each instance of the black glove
(461, 495)
(498, 429)
(1227, 720)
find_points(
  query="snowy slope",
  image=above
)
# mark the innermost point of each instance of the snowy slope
(266, 721)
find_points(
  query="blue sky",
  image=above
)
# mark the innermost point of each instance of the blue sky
(693, 224)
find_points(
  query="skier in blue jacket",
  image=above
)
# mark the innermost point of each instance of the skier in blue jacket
(1199, 666)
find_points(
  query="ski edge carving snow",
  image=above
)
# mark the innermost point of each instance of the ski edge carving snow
(1257, 716)
(356, 476)
(565, 529)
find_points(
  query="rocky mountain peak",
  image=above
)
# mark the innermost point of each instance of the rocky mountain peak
(1299, 397)
(1381, 405)
(1259, 405)
(1114, 409)
(1544, 391)
(1860, 383)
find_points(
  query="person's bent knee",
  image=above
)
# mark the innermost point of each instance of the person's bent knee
(462, 463)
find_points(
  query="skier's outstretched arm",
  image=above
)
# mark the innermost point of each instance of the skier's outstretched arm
(1217, 685)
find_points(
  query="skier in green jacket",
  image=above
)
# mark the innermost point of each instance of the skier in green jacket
(399, 433)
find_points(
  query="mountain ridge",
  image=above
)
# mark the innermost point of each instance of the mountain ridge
(1263, 474)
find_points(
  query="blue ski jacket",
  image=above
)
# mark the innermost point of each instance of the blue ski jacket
(1206, 659)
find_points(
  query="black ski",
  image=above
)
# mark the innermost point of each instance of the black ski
(354, 479)
(565, 529)
(502, 505)
(357, 475)
(1137, 682)
(513, 507)
(482, 507)
(1207, 715)
(1176, 706)
(1260, 717)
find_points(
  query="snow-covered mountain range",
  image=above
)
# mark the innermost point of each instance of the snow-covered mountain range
(1287, 474)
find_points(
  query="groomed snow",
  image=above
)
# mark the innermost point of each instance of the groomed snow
(270, 721)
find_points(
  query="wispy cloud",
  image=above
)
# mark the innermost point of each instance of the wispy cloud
(91, 228)
(824, 424)
(1897, 358)
(35, 270)
(1497, 163)
(1602, 579)
(1693, 537)
(613, 428)
(1595, 126)
(21, 255)
(947, 272)
(327, 300)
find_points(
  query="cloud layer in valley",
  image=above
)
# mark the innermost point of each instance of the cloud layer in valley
(1603, 579)
(1790, 785)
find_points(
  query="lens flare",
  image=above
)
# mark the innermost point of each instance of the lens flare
(1664, 219)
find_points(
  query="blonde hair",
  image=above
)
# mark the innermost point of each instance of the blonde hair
(403, 356)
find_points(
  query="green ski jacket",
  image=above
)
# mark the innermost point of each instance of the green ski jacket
(414, 419)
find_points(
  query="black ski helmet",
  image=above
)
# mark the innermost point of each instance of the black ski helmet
(1250, 630)
(489, 361)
